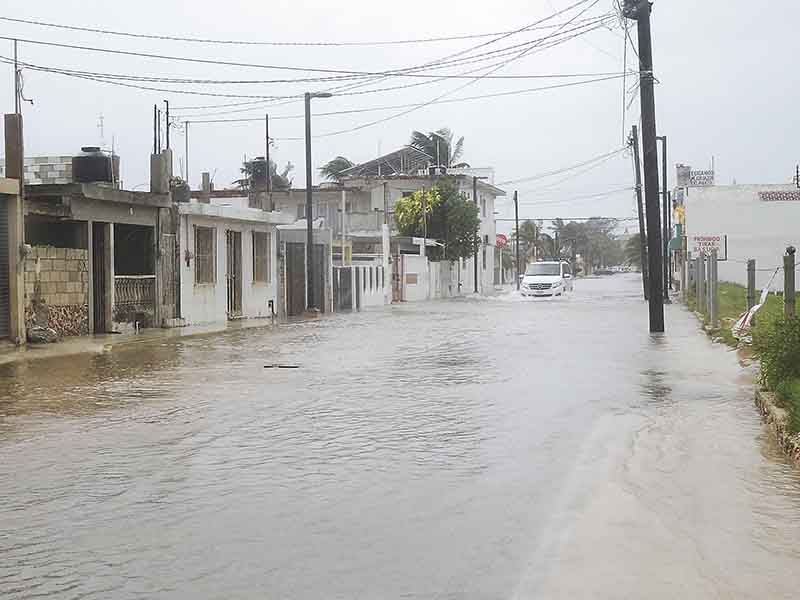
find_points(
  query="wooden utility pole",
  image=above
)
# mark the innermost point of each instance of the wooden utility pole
(516, 234)
(634, 142)
(665, 216)
(475, 198)
(789, 283)
(751, 283)
(639, 10)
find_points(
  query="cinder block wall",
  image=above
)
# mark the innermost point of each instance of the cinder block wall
(57, 289)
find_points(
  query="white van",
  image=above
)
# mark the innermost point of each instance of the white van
(549, 278)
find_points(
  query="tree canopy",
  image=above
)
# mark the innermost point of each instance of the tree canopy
(439, 144)
(332, 170)
(450, 218)
(594, 240)
(280, 180)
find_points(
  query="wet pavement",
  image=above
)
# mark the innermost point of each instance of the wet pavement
(494, 448)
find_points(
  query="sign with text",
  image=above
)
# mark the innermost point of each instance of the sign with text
(701, 178)
(705, 244)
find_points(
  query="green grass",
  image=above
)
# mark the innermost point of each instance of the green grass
(732, 303)
(788, 394)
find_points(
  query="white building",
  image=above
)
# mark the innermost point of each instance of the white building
(229, 260)
(759, 220)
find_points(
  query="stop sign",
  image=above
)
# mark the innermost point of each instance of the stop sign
(501, 240)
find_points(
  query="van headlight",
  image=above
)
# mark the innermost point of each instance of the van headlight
(557, 284)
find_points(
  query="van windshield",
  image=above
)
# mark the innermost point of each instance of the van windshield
(544, 269)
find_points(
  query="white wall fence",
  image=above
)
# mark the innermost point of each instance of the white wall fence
(421, 279)
(360, 286)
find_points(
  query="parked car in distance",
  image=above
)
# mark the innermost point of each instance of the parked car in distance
(551, 278)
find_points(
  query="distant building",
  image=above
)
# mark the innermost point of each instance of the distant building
(760, 221)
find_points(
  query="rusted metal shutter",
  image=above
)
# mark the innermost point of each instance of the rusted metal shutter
(4, 299)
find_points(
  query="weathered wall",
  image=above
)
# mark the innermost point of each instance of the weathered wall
(755, 228)
(208, 303)
(57, 289)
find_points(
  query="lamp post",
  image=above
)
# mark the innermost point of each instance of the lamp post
(310, 304)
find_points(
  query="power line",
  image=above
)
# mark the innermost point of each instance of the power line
(259, 105)
(206, 61)
(398, 106)
(106, 78)
(578, 198)
(262, 43)
(439, 61)
(448, 93)
(568, 219)
(565, 169)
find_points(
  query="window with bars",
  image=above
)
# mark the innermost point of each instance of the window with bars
(262, 258)
(205, 255)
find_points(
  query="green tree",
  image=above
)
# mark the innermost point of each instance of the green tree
(280, 180)
(633, 251)
(449, 217)
(332, 170)
(440, 144)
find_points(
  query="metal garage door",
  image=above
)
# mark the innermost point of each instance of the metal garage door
(4, 317)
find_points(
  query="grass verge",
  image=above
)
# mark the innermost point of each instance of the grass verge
(788, 395)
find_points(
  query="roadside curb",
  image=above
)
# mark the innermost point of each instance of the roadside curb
(778, 420)
(87, 345)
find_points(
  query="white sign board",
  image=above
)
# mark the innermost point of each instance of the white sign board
(704, 244)
(701, 178)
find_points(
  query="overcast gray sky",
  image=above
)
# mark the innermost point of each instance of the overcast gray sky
(728, 88)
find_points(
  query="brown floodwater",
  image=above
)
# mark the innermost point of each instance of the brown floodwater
(496, 448)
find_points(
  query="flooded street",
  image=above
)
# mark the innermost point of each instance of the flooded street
(492, 448)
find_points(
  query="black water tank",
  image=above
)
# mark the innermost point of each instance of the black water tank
(259, 170)
(92, 166)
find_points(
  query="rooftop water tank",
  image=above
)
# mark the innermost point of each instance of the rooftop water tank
(92, 165)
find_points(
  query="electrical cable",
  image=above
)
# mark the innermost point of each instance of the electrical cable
(398, 106)
(565, 169)
(259, 43)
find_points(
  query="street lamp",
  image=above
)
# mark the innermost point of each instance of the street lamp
(309, 213)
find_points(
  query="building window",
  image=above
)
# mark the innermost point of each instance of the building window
(484, 258)
(483, 207)
(262, 257)
(205, 255)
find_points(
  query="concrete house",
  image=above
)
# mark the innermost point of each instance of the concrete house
(229, 258)
(99, 255)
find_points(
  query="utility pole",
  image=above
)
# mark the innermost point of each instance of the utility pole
(310, 305)
(155, 129)
(269, 164)
(516, 234)
(634, 141)
(186, 152)
(16, 81)
(166, 117)
(665, 217)
(639, 10)
(475, 198)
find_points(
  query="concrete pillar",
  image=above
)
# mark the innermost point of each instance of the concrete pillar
(108, 260)
(15, 170)
(158, 270)
(160, 172)
(90, 267)
(205, 196)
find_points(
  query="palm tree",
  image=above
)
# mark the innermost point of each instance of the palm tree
(439, 145)
(332, 170)
(533, 241)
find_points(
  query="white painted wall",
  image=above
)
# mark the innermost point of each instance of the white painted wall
(755, 228)
(208, 303)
